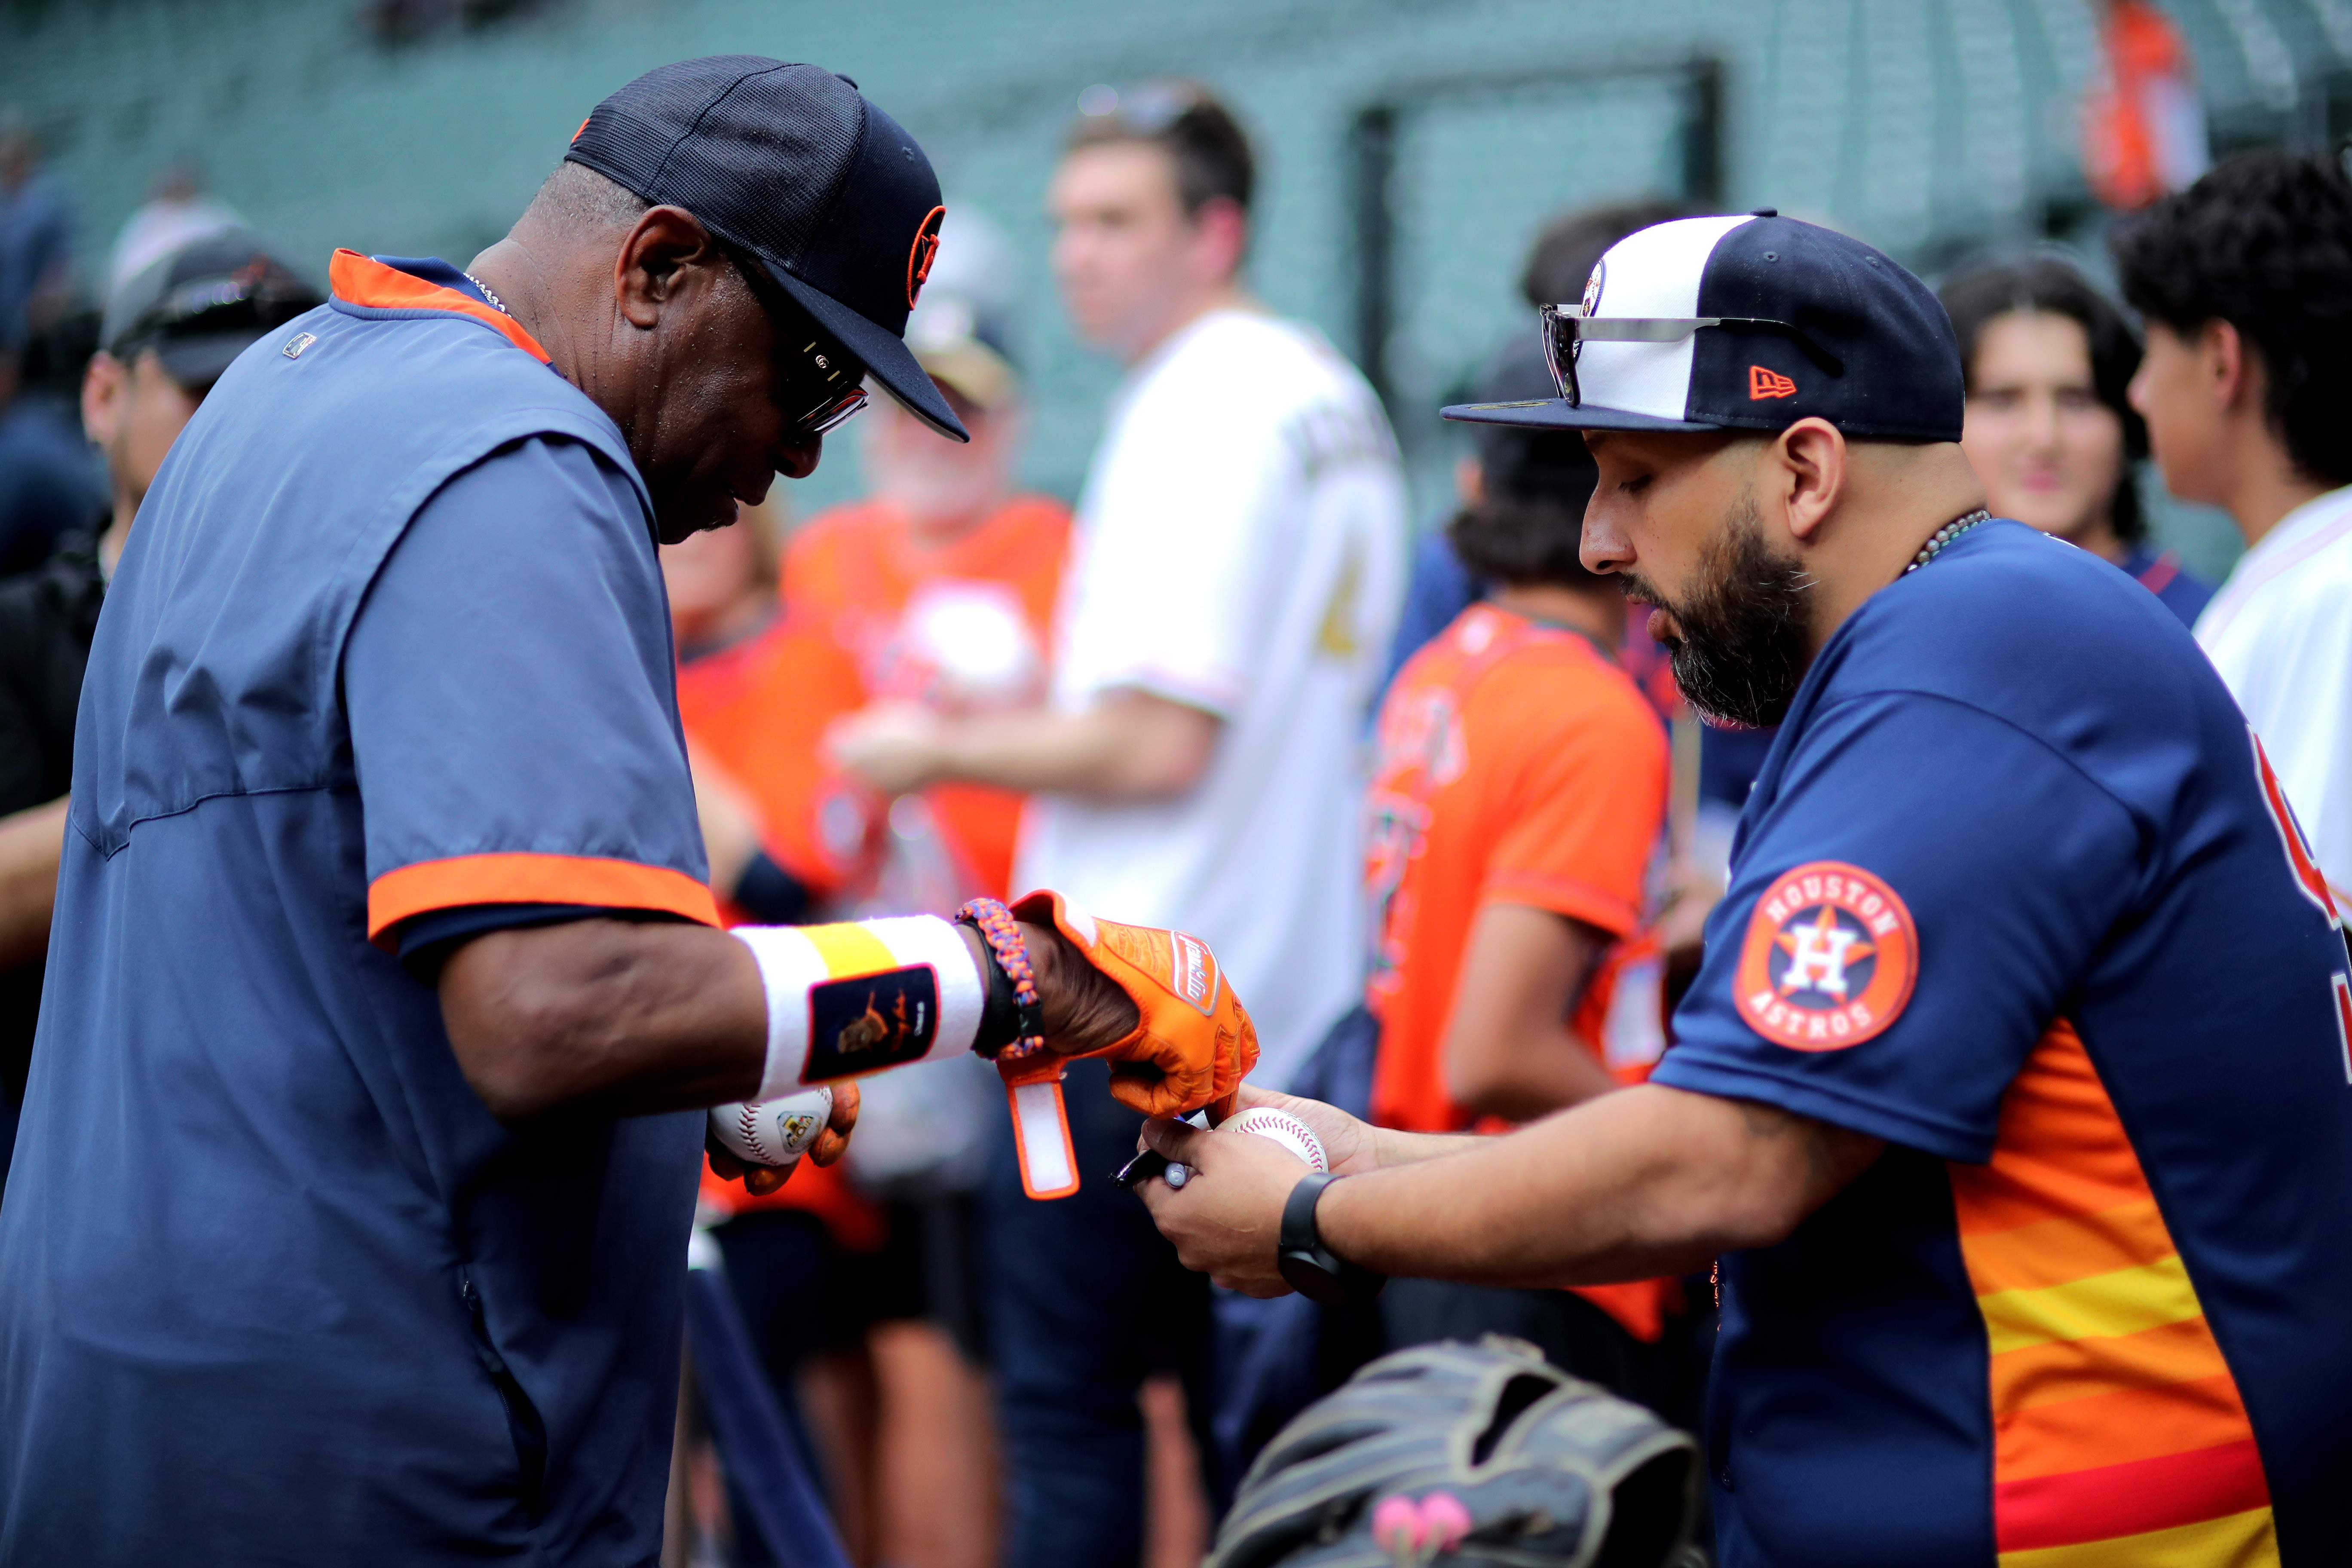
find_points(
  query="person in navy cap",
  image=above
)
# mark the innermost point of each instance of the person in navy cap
(168, 333)
(2012, 1092)
(353, 1188)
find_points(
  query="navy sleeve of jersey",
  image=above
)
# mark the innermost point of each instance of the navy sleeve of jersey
(1903, 924)
(513, 702)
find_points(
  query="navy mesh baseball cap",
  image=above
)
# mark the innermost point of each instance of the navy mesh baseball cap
(1746, 324)
(791, 163)
(202, 304)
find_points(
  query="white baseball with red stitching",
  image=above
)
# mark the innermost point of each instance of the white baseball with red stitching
(773, 1132)
(1284, 1129)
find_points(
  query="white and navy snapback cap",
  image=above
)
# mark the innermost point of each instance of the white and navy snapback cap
(1746, 324)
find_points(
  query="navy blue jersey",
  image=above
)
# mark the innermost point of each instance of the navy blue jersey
(390, 640)
(2183, 592)
(2015, 893)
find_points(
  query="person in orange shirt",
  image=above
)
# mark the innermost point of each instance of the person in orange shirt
(786, 837)
(2144, 129)
(1516, 804)
(939, 589)
(787, 833)
(942, 584)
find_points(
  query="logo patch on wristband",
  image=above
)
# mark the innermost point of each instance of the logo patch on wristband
(1830, 958)
(870, 1022)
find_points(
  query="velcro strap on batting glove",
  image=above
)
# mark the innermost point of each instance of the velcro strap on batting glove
(1194, 1042)
(1041, 1123)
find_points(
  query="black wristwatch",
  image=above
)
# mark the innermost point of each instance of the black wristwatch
(1309, 1267)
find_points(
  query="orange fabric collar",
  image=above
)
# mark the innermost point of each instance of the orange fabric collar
(364, 280)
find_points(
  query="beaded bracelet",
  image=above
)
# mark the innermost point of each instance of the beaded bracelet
(997, 928)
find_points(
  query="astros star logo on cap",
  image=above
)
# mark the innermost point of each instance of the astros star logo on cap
(1590, 304)
(791, 163)
(925, 251)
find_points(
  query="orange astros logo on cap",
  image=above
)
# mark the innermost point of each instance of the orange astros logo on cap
(1830, 958)
(925, 251)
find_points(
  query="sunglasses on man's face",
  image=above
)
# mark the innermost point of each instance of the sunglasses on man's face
(824, 385)
(832, 381)
(1567, 329)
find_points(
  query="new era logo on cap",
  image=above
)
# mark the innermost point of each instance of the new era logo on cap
(1750, 322)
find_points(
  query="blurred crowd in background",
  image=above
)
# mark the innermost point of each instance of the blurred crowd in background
(1415, 772)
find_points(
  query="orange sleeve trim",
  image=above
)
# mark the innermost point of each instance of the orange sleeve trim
(1562, 895)
(466, 880)
(1639, 1306)
(365, 280)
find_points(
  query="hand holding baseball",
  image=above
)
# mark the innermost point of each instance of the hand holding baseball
(1226, 1217)
(1350, 1145)
(829, 1145)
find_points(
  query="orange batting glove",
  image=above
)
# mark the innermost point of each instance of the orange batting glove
(1193, 1043)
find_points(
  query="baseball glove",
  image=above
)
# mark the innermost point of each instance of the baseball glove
(1479, 1454)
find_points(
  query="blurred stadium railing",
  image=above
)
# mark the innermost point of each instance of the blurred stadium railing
(1440, 132)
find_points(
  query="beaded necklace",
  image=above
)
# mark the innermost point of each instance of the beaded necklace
(1944, 535)
(495, 303)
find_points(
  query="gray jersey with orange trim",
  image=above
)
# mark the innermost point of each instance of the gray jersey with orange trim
(390, 640)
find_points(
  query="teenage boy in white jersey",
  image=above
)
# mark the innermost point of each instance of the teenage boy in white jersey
(2246, 283)
(1236, 572)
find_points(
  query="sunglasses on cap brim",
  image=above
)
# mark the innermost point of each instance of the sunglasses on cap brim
(1146, 110)
(1567, 329)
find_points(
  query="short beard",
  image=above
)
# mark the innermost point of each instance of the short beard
(1743, 648)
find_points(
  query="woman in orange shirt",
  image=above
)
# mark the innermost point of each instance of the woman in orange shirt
(942, 584)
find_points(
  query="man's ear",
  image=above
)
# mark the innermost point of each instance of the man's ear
(105, 383)
(1221, 237)
(1469, 480)
(1808, 475)
(661, 257)
(2227, 366)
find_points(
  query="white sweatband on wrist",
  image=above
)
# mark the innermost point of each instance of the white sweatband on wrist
(862, 997)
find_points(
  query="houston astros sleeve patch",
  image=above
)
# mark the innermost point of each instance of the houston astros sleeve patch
(1830, 958)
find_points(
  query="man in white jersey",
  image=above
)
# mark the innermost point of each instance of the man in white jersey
(2246, 283)
(1235, 576)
